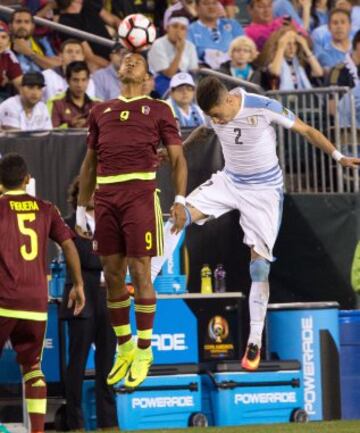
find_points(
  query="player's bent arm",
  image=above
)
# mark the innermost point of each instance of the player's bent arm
(198, 134)
(317, 139)
(76, 295)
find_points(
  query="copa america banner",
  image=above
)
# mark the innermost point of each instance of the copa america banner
(316, 242)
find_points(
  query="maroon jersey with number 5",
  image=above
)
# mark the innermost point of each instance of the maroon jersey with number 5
(26, 224)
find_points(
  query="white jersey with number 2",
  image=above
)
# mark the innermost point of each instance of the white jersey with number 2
(249, 141)
(251, 180)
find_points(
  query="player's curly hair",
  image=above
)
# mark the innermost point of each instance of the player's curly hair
(210, 92)
(13, 170)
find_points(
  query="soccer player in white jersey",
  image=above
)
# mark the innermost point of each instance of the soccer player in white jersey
(251, 182)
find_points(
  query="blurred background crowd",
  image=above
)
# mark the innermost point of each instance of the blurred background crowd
(50, 80)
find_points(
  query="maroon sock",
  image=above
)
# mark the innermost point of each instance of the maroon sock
(119, 309)
(144, 313)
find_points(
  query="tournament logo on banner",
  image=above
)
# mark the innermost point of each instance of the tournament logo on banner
(219, 342)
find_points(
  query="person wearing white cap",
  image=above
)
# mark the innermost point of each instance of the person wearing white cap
(172, 53)
(182, 91)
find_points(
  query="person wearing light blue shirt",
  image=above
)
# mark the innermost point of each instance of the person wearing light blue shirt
(333, 51)
(106, 80)
(212, 35)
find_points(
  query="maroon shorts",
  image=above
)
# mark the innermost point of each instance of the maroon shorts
(26, 337)
(128, 220)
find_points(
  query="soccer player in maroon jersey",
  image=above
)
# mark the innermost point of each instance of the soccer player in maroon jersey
(26, 223)
(122, 160)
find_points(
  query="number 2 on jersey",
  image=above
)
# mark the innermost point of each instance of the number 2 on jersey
(238, 135)
(32, 253)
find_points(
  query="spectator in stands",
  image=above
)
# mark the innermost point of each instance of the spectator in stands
(230, 8)
(172, 53)
(106, 80)
(319, 13)
(10, 69)
(335, 50)
(71, 50)
(89, 16)
(321, 36)
(184, 8)
(34, 54)
(212, 35)
(242, 53)
(26, 111)
(72, 108)
(348, 74)
(188, 114)
(290, 64)
(263, 24)
(92, 325)
(299, 11)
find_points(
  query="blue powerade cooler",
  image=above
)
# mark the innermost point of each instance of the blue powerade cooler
(272, 394)
(309, 332)
(170, 397)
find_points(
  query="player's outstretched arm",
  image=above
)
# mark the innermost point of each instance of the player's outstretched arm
(76, 295)
(179, 177)
(198, 134)
(86, 190)
(317, 139)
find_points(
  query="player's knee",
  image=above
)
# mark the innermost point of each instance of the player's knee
(259, 270)
(140, 273)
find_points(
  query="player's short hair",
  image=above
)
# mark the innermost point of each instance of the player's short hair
(73, 192)
(21, 10)
(75, 67)
(70, 41)
(13, 170)
(210, 92)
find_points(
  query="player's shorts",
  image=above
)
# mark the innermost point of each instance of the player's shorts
(26, 337)
(128, 220)
(260, 210)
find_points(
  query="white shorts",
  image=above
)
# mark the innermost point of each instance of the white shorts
(260, 210)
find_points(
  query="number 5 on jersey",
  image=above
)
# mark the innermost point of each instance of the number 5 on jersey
(32, 253)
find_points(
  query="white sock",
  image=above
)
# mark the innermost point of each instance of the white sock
(171, 241)
(258, 301)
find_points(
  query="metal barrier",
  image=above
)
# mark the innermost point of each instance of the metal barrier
(307, 169)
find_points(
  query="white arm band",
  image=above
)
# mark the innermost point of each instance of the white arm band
(180, 199)
(337, 155)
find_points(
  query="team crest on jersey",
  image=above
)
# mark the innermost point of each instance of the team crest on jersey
(252, 120)
(285, 112)
(145, 109)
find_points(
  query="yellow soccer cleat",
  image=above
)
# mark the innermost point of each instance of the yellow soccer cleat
(139, 368)
(124, 358)
(251, 359)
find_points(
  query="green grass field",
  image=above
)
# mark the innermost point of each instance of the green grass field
(312, 427)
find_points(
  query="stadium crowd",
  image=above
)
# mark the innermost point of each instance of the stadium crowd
(49, 79)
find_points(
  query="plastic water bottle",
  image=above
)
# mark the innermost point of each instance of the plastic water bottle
(206, 283)
(220, 279)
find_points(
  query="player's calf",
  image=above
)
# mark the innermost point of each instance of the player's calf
(35, 395)
(258, 301)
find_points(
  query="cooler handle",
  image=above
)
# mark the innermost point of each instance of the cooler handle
(193, 386)
(231, 384)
